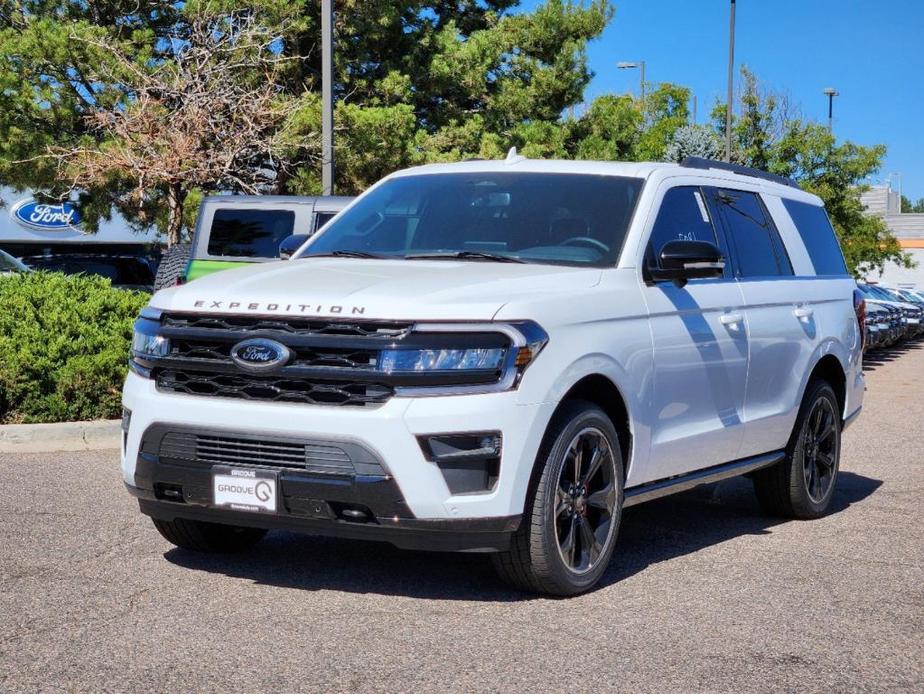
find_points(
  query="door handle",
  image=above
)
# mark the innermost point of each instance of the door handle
(730, 318)
(803, 312)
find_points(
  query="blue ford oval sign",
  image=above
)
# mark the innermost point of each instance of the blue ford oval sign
(259, 354)
(46, 216)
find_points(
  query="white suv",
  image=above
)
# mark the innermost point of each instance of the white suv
(499, 356)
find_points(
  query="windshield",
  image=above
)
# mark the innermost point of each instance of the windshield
(573, 219)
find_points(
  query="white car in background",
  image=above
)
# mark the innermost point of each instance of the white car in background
(500, 356)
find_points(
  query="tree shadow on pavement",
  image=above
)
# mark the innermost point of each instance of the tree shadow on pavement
(651, 533)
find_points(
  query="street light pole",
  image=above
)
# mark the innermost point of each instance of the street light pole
(831, 92)
(641, 86)
(327, 97)
(624, 65)
(731, 77)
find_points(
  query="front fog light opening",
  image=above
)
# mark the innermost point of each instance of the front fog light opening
(469, 462)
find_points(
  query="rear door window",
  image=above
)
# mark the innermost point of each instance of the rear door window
(817, 234)
(759, 250)
(249, 233)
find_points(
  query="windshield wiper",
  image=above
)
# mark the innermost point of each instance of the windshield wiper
(465, 255)
(344, 254)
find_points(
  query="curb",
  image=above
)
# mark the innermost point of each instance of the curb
(63, 436)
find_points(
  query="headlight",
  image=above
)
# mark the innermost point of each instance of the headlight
(453, 358)
(480, 358)
(150, 345)
(147, 344)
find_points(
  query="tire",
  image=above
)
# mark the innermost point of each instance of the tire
(802, 485)
(200, 536)
(540, 558)
(172, 265)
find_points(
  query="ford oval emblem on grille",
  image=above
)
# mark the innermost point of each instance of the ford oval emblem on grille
(260, 355)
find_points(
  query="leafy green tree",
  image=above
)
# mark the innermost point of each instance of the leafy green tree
(609, 130)
(415, 82)
(916, 207)
(665, 111)
(439, 81)
(620, 128)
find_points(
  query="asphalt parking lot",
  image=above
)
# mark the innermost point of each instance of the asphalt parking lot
(705, 592)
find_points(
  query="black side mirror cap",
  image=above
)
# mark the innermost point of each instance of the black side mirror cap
(290, 244)
(686, 260)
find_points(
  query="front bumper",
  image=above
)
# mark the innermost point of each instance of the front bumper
(451, 535)
(416, 492)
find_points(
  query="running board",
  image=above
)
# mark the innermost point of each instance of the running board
(681, 483)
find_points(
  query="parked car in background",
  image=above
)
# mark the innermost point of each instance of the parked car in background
(909, 295)
(9, 264)
(124, 271)
(879, 325)
(912, 315)
(232, 230)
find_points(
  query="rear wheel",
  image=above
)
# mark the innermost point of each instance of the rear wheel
(802, 485)
(200, 536)
(172, 265)
(569, 529)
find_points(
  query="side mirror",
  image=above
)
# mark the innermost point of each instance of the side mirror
(290, 244)
(686, 260)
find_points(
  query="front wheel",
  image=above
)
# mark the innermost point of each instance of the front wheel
(802, 485)
(569, 529)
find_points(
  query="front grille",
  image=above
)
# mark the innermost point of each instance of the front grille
(272, 388)
(304, 356)
(212, 449)
(200, 360)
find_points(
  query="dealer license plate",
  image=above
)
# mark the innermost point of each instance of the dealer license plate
(242, 489)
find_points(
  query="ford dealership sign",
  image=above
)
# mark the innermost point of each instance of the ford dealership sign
(45, 216)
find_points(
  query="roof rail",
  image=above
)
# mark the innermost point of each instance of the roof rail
(701, 163)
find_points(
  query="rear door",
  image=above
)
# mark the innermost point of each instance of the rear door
(700, 341)
(782, 327)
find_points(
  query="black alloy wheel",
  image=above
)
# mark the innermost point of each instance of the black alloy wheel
(586, 500)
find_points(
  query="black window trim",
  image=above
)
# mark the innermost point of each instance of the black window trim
(731, 250)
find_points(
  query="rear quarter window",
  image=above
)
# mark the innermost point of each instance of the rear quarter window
(814, 227)
(249, 233)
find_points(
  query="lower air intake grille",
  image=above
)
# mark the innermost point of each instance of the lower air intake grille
(211, 449)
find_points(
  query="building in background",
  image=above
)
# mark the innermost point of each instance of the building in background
(49, 237)
(908, 228)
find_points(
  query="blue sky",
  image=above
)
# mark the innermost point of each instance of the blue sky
(872, 52)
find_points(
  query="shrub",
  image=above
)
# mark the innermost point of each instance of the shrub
(64, 343)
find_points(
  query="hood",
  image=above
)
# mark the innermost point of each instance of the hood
(373, 289)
